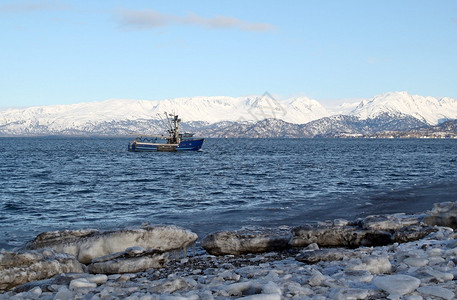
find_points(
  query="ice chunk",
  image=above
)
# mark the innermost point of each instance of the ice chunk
(349, 293)
(441, 276)
(358, 275)
(243, 288)
(436, 291)
(416, 262)
(414, 297)
(374, 264)
(271, 288)
(398, 284)
(254, 290)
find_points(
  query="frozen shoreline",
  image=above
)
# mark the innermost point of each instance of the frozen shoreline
(420, 269)
(278, 275)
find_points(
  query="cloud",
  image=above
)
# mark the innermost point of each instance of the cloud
(33, 6)
(150, 19)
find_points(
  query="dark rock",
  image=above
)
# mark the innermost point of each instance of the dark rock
(254, 240)
(43, 284)
(371, 231)
(66, 278)
(412, 233)
(338, 236)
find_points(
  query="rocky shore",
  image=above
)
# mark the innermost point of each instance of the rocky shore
(379, 257)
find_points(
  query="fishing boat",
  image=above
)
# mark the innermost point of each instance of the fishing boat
(175, 141)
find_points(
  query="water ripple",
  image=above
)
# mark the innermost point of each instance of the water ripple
(63, 183)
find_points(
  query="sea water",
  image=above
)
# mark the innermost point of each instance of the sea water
(59, 183)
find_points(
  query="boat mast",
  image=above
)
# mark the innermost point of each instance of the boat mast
(174, 129)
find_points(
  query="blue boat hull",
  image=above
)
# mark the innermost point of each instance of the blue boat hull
(184, 145)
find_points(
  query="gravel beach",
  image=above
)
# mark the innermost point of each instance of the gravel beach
(421, 269)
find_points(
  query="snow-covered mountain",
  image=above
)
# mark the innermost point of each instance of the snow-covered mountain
(57, 118)
(390, 111)
(427, 109)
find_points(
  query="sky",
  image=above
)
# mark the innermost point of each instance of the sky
(64, 52)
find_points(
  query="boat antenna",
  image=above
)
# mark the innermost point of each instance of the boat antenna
(164, 124)
(169, 122)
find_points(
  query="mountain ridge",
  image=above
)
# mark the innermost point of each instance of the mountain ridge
(300, 116)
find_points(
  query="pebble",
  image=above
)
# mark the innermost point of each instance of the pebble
(184, 260)
(197, 271)
(35, 293)
(98, 279)
(63, 294)
(316, 279)
(81, 283)
(419, 270)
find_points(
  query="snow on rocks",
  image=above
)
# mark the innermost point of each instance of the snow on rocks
(132, 260)
(374, 264)
(363, 273)
(389, 222)
(338, 236)
(371, 231)
(17, 268)
(443, 214)
(420, 269)
(89, 244)
(250, 240)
